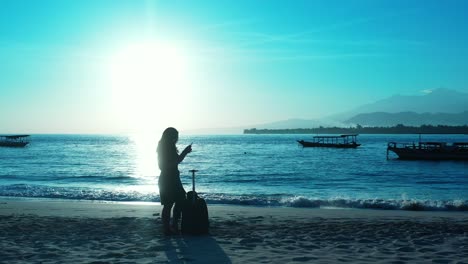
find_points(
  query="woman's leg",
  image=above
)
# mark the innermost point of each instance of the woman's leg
(177, 213)
(166, 217)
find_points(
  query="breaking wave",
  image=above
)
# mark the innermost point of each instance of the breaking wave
(74, 193)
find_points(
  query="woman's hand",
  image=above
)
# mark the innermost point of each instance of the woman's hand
(188, 149)
(184, 153)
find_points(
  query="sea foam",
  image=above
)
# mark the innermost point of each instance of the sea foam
(74, 193)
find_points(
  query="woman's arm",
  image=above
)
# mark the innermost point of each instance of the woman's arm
(184, 153)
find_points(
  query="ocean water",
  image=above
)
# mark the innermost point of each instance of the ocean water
(254, 170)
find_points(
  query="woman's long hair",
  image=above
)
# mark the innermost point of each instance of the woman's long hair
(167, 142)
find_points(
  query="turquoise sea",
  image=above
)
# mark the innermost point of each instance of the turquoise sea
(254, 170)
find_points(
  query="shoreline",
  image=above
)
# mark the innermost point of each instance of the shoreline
(299, 203)
(36, 230)
(92, 208)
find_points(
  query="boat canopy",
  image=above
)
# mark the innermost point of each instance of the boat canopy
(434, 143)
(340, 136)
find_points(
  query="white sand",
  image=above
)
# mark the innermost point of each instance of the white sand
(48, 231)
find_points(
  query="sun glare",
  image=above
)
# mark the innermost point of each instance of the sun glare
(149, 80)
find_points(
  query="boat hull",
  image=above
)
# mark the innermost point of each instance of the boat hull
(415, 154)
(326, 145)
(13, 144)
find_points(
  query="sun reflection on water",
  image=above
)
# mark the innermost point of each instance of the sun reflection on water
(145, 157)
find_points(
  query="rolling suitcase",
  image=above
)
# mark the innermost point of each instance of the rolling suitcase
(194, 213)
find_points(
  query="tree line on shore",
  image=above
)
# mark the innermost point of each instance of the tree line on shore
(358, 129)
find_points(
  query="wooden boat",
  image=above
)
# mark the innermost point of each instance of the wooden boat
(342, 141)
(14, 141)
(430, 150)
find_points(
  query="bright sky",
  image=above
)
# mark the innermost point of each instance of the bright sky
(113, 66)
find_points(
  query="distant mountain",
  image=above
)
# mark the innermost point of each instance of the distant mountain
(440, 100)
(409, 119)
(439, 107)
(298, 123)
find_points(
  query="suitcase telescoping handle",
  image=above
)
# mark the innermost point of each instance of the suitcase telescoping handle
(193, 183)
(193, 179)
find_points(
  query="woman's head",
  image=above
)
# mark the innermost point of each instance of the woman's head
(167, 145)
(170, 135)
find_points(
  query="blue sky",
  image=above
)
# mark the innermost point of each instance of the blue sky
(125, 66)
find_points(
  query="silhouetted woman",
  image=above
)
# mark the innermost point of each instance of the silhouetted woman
(171, 191)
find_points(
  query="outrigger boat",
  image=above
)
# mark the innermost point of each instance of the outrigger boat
(429, 150)
(342, 141)
(14, 141)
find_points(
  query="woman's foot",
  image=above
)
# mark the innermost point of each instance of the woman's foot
(175, 230)
(168, 232)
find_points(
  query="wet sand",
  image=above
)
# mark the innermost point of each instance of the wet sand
(49, 231)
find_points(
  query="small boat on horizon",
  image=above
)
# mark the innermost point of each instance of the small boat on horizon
(429, 150)
(15, 141)
(342, 141)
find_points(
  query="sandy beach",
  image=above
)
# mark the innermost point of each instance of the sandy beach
(58, 231)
